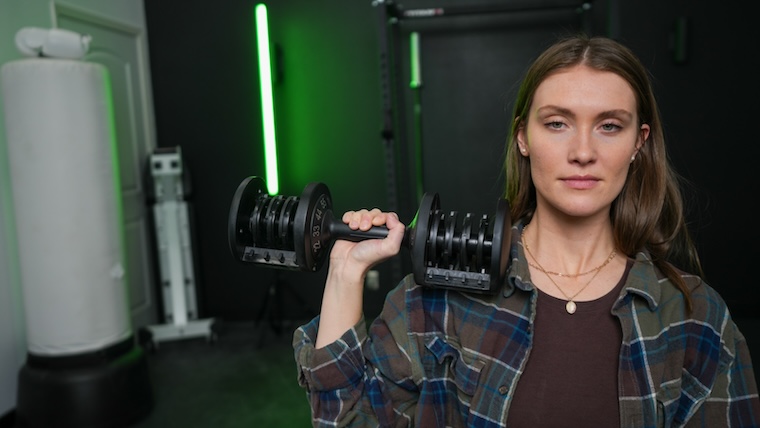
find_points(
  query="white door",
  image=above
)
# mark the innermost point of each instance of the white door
(119, 47)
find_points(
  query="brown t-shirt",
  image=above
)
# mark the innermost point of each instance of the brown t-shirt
(570, 379)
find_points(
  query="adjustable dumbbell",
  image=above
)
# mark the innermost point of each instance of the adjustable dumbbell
(297, 232)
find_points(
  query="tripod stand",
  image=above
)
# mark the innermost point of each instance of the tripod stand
(271, 315)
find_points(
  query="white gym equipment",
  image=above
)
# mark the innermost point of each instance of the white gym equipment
(175, 252)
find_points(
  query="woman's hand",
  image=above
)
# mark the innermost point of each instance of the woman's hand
(357, 258)
(342, 301)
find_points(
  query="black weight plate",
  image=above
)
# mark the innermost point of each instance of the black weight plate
(256, 226)
(270, 218)
(243, 202)
(309, 232)
(285, 229)
(418, 244)
(502, 239)
(433, 256)
(464, 240)
(479, 252)
(448, 240)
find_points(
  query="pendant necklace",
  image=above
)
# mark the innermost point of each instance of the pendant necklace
(570, 306)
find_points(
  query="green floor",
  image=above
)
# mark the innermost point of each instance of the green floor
(246, 378)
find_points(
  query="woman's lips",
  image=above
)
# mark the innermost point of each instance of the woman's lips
(578, 182)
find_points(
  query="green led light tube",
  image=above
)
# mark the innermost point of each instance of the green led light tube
(267, 102)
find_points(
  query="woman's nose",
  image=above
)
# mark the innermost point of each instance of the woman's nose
(582, 148)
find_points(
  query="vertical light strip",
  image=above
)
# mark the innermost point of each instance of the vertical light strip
(414, 53)
(416, 85)
(267, 102)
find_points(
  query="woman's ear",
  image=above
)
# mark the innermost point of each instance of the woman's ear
(643, 136)
(520, 138)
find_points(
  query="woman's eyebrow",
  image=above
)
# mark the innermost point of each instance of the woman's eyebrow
(554, 109)
(616, 113)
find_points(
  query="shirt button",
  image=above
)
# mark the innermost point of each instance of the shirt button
(503, 390)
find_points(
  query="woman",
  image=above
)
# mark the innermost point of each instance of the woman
(603, 319)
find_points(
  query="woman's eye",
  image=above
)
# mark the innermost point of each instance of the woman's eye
(555, 125)
(609, 127)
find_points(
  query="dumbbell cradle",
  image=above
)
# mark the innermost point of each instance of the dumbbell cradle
(297, 233)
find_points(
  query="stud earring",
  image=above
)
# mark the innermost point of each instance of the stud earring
(633, 158)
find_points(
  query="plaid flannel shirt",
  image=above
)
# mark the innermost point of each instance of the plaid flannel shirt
(436, 358)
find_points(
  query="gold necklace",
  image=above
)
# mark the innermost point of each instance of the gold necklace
(567, 275)
(574, 275)
(570, 306)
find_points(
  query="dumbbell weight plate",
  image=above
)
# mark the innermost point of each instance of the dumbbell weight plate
(311, 231)
(243, 203)
(418, 238)
(501, 241)
(464, 241)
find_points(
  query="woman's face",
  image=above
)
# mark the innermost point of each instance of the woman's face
(581, 133)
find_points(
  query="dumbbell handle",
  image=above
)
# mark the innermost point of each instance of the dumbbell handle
(337, 229)
(340, 230)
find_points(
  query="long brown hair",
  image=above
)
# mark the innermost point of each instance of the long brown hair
(649, 211)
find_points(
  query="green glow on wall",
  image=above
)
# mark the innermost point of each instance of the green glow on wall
(267, 102)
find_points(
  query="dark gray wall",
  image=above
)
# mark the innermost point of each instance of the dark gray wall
(330, 114)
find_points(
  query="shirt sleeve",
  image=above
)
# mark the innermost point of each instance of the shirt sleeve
(733, 400)
(360, 379)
